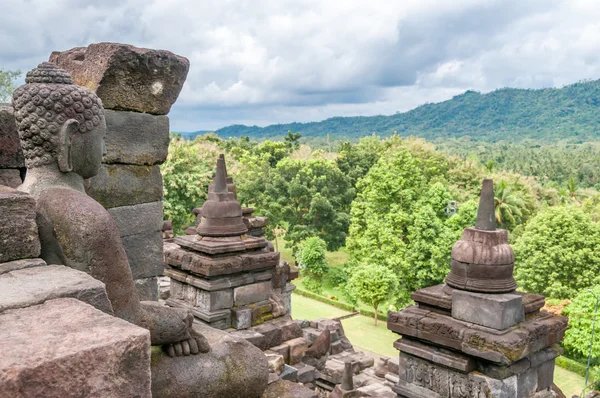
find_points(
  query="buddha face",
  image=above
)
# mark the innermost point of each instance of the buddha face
(87, 150)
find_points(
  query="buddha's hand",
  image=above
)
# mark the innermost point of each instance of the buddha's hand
(196, 344)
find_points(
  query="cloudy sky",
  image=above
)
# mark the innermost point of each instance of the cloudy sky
(262, 62)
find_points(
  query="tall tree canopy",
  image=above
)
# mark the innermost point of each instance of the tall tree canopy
(558, 253)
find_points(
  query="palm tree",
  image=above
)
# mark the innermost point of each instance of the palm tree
(508, 205)
(575, 193)
(489, 165)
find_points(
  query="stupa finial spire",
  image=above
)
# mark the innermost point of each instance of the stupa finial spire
(486, 217)
(220, 180)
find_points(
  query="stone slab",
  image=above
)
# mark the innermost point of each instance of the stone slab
(18, 229)
(218, 319)
(147, 288)
(21, 264)
(214, 301)
(32, 286)
(436, 355)
(440, 297)
(256, 339)
(242, 318)
(272, 334)
(125, 185)
(10, 177)
(298, 348)
(538, 331)
(138, 219)
(136, 138)
(11, 154)
(212, 246)
(250, 294)
(65, 348)
(497, 311)
(144, 252)
(127, 77)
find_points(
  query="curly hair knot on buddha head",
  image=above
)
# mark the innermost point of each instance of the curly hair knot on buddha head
(42, 106)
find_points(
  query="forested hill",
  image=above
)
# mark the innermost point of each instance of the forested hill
(571, 112)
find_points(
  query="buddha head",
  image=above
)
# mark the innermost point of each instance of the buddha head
(59, 122)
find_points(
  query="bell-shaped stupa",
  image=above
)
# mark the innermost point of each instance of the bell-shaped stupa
(221, 214)
(483, 261)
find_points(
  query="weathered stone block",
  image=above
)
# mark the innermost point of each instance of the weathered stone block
(126, 77)
(320, 345)
(138, 219)
(11, 154)
(147, 289)
(272, 334)
(136, 138)
(306, 373)
(10, 177)
(497, 311)
(289, 373)
(545, 375)
(276, 363)
(249, 294)
(31, 286)
(20, 264)
(290, 330)
(283, 350)
(125, 185)
(298, 348)
(144, 252)
(65, 348)
(256, 339)
(216, 300)
(18, 229)
(242, 318)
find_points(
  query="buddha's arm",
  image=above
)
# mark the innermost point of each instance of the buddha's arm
(79, 231)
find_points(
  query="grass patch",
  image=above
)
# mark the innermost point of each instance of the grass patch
(309, 309)
(570, 383)
(362, 333)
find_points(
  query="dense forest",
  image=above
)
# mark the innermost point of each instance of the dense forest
(395, 206)
(553, 114)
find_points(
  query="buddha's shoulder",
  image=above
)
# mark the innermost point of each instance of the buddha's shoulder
(61, 200)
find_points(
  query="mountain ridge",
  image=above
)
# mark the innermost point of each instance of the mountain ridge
(568, 113)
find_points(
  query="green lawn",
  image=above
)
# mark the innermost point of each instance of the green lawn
(570, 383)
(362, 333)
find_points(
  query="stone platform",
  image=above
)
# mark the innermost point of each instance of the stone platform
(65, 348)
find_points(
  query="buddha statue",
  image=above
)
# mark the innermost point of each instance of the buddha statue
(62, 131)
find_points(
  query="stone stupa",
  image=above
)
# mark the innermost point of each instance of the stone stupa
(476, 336)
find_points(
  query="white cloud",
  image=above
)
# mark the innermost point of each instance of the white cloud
(300, 60)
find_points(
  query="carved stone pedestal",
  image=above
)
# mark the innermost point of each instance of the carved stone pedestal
(441, 356)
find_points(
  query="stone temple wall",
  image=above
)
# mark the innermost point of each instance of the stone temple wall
(137, 87)
(12, 163)
(129, 185)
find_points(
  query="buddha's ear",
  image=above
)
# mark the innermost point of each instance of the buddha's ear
(65, 161)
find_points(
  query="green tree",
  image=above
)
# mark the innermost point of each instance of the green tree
(373, 285)
(509, 206)
(311, 198)
(7, 79)
(578, 335)
(311, 258)
(558, 253)
(187, 173)
(292, 140)
(355, 160)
